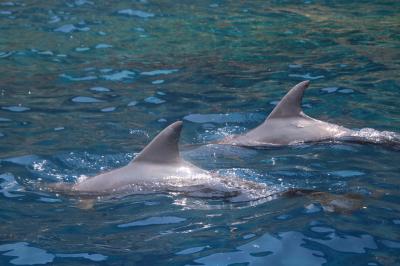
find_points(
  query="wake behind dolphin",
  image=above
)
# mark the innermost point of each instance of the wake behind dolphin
(159, 168)
(287, 124)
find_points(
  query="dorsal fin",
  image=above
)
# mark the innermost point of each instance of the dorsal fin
(164, 147)
(290, 105)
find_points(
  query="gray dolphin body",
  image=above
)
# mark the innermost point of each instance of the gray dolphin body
(287, 124)
(159, 168)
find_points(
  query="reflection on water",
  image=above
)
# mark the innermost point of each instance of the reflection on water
(285, 249)
(154, 221)
(26, 255)
(84, 85)
(290, 248)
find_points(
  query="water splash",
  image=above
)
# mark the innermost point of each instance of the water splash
(375, 136)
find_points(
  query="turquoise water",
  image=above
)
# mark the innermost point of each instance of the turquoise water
(84, 85)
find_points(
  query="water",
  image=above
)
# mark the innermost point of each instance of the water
(85, 84)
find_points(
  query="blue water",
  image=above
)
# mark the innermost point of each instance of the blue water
(84, 85)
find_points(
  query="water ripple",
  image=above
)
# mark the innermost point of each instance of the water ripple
(16, 108)
(78, 78)
(68, 28)
(100, 89)
(85, 99)
(119, 76)
(154, 100)
(103, 46)
(154, 221)
(27, 255)
(135, 13)
(159, 72)
(9, 186)
(286, 249)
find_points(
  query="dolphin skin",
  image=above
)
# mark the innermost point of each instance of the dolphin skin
(287, 124)
(159, 168)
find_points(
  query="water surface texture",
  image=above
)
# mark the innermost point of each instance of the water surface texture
(84, 85)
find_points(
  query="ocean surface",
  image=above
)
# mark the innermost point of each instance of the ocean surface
(85, 85)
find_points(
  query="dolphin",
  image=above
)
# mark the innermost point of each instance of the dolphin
(159, 168)
(287, 124)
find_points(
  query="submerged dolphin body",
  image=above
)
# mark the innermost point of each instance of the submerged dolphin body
(159, 168)
(287, 124)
